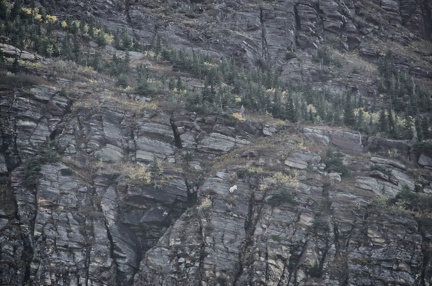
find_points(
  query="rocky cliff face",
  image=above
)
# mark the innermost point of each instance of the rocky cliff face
(104, 187)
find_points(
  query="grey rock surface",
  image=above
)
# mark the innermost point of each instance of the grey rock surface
(140, 195)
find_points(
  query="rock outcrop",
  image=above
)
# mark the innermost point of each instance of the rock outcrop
(101, 186)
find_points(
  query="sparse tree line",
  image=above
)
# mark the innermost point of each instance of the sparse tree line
(405, 114)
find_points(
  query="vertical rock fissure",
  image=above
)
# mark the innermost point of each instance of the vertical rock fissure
(426, 272)
(191, 192)
(297, 17)
(264, 45)
(129, 19)
(201, 268)
(245, 257)
(427, 18)
(177, 139)
(112, 251)
(88, 253)
(295, 262)
(28, 242)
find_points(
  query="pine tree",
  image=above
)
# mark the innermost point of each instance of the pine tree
(96, 62)
(425, 128)
(348, 115)
(360, 119)
(2, 58)
(290, 110)
(277, 111)
(419, 129)
(171, 84)
(179, 84)
(122, 81)
(100, 39)
(126, 41)
(15, 65)
(116, 40)
(391, 124)
(158, 45)
(91, 31)
(3, 10)
(303, 110)
(16, 10)
(407, 128)
(382, 121)
(311, 116)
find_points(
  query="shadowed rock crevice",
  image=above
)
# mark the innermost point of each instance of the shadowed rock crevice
(176, 134)
(428, 18)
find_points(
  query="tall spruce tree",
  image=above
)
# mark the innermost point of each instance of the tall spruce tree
(419, 129)
(3, 10)
(382, 121)
(348, 112)
(391, 124)
(290, 109)
(425, 128)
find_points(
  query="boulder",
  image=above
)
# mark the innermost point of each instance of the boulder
(3, 166)
(425, 161)
(347, 141)
(301, 159)
(388, 162)
(383, 146)
(220, 143)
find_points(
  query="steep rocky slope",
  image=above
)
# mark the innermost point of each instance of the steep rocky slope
(102, 186)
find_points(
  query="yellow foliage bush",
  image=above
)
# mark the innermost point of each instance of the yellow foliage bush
(238, 116)
(205, 204)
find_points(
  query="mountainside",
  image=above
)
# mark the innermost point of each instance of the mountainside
(216, 142)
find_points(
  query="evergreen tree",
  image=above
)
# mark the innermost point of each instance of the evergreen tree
(2, 58)
(126, 41)
(16, 10)
(100, 39)
(303, 110)
(171, 84)
(116, 40)
(382, 121)
(96, 62)
(348, 115)
(122, 81)
(311, 116)
(143, 87)
(76, 49)
(425, 128)
(407, 128)
(179, 84)
(391, 124)
(158, 46)
(290, 109)
(419, 129)
(91, 31)
(277, 111)
(360, 119)
(3, 10)
(15, 65)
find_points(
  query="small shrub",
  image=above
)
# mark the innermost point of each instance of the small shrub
(381, 169)
(334, 163)
(66, 172)
(284, 196)
(406, 197)
(289, 56)
(205, 204)
(122, 81)
(320, 224)
(423, 147)
(315, 271)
